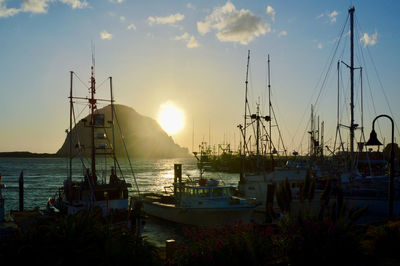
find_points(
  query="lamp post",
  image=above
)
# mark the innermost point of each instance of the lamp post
(373, 140)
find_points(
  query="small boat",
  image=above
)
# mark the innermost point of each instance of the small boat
(199, 202)
(93, 188)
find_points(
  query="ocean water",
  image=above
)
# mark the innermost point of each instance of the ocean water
(43, 176)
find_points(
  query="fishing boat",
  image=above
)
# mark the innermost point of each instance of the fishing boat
(93, 188)
(201, 202)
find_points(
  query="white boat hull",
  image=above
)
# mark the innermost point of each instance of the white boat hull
(199, 216)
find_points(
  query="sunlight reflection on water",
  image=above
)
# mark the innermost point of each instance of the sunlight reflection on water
(43, 176)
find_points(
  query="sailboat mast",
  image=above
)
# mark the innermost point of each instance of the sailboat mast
(112, 125)
(258, 130)
(92, 102)
(70, 130)
(245, 104)
(269, 114)
(269, 108)
(351, 11)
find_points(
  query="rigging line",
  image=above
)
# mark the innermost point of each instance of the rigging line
(83, 109)
(284, 124)
(319, 80)
(379, 81)
(304, 133)
(330, 66)
(279, 132)
(382, 88)
(368, 81)
(84, 84)
(78, 142)
(126, 151)
(101, 84)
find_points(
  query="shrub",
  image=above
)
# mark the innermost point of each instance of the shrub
(87, 238)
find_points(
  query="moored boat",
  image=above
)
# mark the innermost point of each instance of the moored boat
(93, 189)
(199, 202)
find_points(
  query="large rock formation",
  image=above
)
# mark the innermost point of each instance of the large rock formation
(143, 136)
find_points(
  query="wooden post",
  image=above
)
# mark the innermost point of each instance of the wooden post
(21, 191)
(169, 249)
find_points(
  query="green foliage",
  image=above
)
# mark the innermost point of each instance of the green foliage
(382, 242)
(87, 238)
(226, 245)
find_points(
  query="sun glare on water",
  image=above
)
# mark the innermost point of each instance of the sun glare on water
(170, 118)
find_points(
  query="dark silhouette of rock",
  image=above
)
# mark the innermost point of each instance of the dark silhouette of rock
(143, 136)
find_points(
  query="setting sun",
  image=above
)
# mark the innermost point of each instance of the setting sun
(170, 118)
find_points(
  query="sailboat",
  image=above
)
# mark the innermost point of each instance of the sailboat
(93, 189)
(254, 184)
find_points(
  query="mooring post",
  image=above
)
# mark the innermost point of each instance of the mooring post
(21, 191)
(170, 247)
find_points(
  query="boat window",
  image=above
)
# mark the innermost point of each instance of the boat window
(204, 192)
(217, 192)
(189, 192)
(227, 192)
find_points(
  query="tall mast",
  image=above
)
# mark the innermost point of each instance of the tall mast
(269, 114)
(70, 130)
(112, 125)
(351, 11)
(92, 102)
(258, 130)
(245, 104)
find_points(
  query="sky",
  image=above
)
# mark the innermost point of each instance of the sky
(193, 54)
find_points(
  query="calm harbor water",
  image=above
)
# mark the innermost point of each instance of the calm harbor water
(43, 176)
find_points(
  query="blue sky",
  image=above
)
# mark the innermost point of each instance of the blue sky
(193, 53)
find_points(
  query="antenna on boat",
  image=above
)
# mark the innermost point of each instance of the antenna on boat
(92, 102)
(269, 114)
(245, 104)
(351, 11)
(71, 106)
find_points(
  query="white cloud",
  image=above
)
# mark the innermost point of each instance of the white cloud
(131, 27)
(319, 46)
(35, 6)
(76, 3)
(192, 43)
(190, 6)
(369, 40)
(7, 12)
(122, 18)
(282, 33)
(184, 36)
(104, 35)
(233, 25)
(116, 1)
(332, 16)
(171, 19)
(271, 12)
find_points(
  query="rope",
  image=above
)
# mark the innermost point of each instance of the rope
(126, 151)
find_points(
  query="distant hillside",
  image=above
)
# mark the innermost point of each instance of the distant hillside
(26, 154)
(143, 136)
